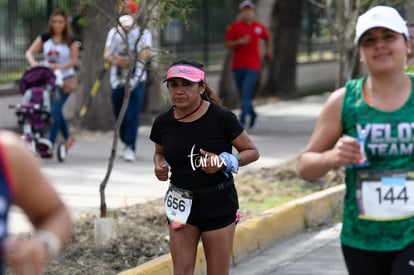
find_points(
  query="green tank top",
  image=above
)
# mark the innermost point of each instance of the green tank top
(389, 145)
(409, 70)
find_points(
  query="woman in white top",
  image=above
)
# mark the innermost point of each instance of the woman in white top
(61, 53)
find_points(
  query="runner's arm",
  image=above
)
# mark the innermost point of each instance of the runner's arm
(327, 149)
(161, 168)
(247, 151)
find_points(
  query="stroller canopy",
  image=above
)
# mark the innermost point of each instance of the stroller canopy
(36, 77)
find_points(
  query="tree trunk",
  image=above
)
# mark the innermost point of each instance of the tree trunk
(286, 29)
(341, 23)
(99, 115)
(227, 88)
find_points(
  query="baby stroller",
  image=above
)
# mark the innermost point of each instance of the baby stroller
(33, 114)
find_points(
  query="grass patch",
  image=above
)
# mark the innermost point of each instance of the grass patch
(264, 204)
(276, 193)
(10, 77)
(272, 187)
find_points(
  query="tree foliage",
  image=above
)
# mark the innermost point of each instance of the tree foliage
(342, 16)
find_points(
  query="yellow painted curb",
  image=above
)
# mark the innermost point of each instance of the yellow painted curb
(161, 265)
(319, 207)
(260, 232)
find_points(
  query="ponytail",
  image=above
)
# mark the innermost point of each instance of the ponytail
(210, 96)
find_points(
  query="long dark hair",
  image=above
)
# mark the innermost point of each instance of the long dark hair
(208, 93)
(67, 35)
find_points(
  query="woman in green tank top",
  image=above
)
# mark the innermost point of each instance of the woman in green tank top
(367, 127)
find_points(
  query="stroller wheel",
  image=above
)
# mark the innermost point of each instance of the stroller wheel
(44, 148)
(61, 152)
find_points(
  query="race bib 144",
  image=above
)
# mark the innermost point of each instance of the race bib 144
(385, 195)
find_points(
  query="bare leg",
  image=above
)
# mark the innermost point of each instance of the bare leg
(218, 246)
(183, 248)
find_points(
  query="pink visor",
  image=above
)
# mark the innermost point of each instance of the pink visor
(190, 73)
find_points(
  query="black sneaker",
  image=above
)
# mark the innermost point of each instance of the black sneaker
(252, 124)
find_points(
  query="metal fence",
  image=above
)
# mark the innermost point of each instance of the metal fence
(22, 20)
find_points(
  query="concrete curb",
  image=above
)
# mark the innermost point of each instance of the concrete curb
(261, 232)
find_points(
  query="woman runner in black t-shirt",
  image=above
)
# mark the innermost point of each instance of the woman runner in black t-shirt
(194, 139)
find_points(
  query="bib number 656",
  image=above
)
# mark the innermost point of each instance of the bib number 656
(175, 203)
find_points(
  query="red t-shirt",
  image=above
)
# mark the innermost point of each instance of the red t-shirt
(247, 55)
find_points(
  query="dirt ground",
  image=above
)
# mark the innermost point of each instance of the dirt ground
(141, 230)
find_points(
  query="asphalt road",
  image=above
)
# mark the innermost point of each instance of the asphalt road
(308, 253)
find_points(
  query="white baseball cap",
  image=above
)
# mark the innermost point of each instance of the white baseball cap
(246, 4)
(380, 16)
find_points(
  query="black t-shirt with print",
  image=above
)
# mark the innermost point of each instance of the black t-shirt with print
(181, 142)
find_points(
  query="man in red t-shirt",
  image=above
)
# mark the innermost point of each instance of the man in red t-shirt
(243, 36)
